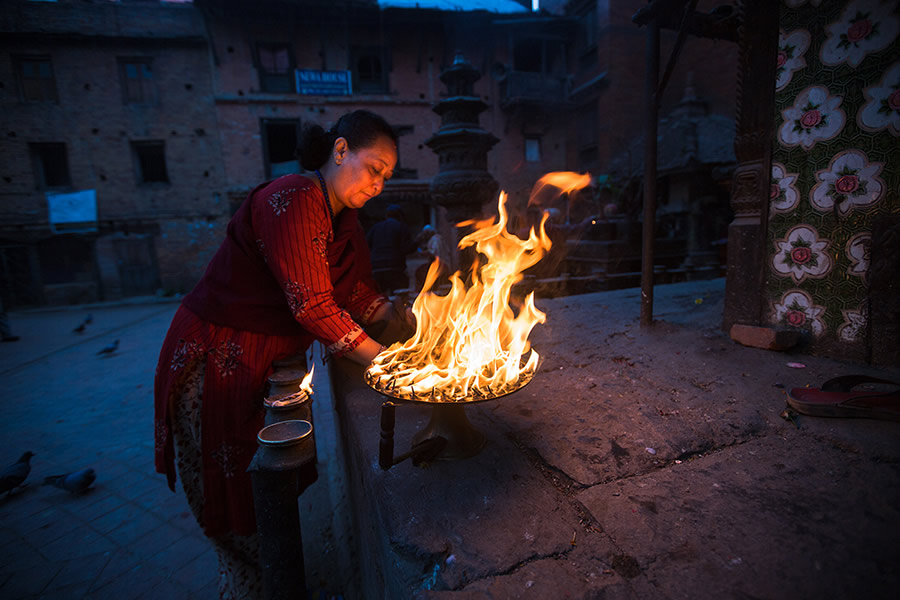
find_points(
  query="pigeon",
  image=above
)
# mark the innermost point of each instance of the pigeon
(79, 329)
(76, 482)
(109, 349)
(14, 475)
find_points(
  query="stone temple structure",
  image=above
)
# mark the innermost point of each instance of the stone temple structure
(463, 185)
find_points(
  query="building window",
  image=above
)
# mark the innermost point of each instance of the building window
(66, 259)
(36, 81)
(137, 81)
(150, 162)
(533, 149)
(586, 37)
(280, 146)
(539, 55)
(51, 165)
(588, 136)
(401, 172)
(587, 125)
(276, 68)
(369, 70)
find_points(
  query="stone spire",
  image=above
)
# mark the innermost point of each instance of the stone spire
(463, 184)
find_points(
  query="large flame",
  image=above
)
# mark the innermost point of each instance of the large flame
(470, 343)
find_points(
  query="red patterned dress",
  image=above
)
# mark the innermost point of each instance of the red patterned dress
(285, 275)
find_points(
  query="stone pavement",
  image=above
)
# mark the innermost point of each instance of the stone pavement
(640, 464)
(128, 536)
(636, 465)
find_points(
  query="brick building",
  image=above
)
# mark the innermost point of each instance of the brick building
(389, 59)
(112, 166)
(135, 128)
(609, 65)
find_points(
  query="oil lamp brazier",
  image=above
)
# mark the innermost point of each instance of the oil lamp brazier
(449, 434)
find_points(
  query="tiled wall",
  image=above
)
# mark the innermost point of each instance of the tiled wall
(835, 164)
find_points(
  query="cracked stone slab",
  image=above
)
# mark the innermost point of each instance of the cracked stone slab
(586, 572)
(612, 400)
(777, 517)
(458, 521)
(571, 452)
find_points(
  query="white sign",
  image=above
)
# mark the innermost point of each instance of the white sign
(75, 210)
(324, 83)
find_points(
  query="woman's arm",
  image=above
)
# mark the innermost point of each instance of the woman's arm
(365, 352)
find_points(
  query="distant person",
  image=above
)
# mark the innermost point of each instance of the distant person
(294, 267)
(5, 329)
(432, 245)
(389, 243)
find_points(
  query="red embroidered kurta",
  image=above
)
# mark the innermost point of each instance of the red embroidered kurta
(284, 276)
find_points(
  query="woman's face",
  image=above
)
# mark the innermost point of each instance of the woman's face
(359, 175)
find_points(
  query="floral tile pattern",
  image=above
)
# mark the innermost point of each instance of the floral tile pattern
(796, 310)
(791, 48)
(858, 248)
(815, 116)
(802, 254)
(783, 194)
(854, 325)
(850, 182)
(835, 165)
(866, 26)
(882, 109)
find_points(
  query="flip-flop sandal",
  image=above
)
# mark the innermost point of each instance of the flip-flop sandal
(836, 398)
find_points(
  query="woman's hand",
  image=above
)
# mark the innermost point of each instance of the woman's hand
(403, 312)
(384, 312)
(396, 310)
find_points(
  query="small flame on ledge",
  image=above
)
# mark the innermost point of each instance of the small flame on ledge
(306, 383)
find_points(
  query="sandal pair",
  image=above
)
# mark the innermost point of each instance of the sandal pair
(837, 398)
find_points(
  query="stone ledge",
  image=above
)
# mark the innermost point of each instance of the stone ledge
(452, 523)
(660, 452)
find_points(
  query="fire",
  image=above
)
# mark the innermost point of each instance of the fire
(470, 344)
(306, 382)
(564, 181)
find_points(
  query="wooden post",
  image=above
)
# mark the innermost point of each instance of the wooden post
(650, 133)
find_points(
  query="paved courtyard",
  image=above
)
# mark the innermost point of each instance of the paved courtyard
(128, 536)
(641, 419)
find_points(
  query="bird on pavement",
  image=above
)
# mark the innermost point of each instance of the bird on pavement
(109, 349)
(80, 328)
(76, 482)
(14, 475)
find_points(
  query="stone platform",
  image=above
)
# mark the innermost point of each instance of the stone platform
(637, 464)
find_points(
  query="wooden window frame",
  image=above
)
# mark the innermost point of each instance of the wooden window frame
(274, 82)
(39, 159)
(373, 85)
(143, 89)
(27, 85)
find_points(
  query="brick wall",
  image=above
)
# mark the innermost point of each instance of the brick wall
(622, 52)
(98, 129)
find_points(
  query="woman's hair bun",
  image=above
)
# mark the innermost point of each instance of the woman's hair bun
(314, 146)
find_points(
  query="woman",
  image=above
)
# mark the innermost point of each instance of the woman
(294, 267)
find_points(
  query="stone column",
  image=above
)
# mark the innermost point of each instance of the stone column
(463, 185)
(745, 292)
